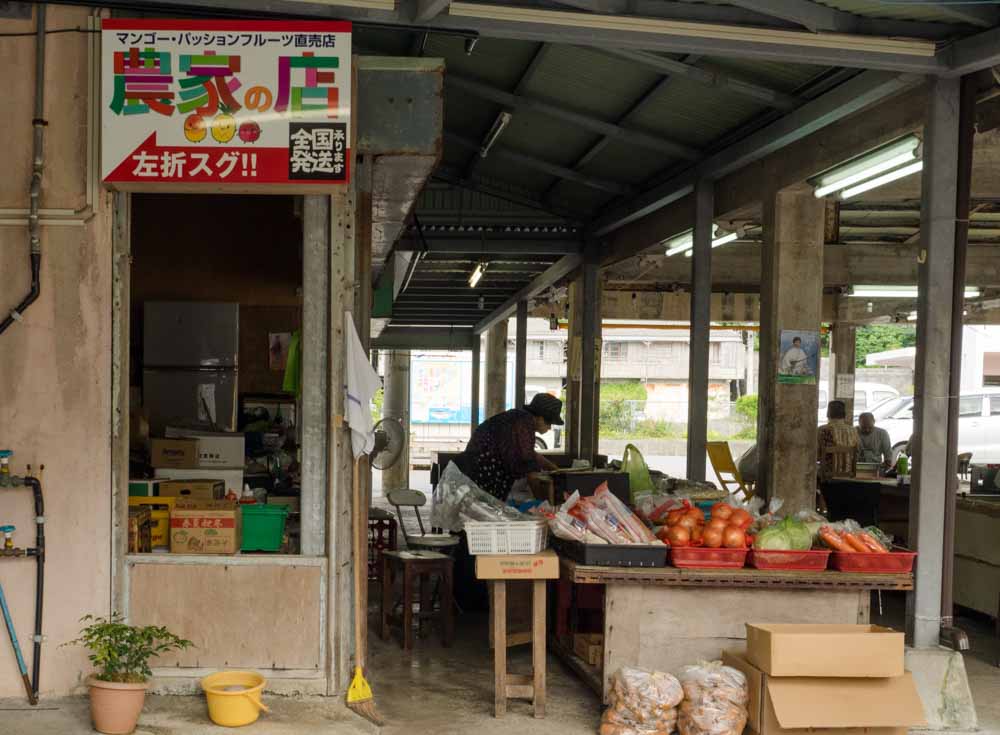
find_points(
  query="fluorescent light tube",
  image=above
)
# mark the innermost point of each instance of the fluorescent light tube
(477, 274)
(897, 292)
(899, 173)
(715, 243)
(866, 173)
(680, 244)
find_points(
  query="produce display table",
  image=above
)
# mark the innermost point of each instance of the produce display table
(665, 618)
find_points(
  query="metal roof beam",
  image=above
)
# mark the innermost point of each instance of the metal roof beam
(974, 53)
(414, 338)
(819, 18)
(429, 9)
(487, 246)
(559, 270)
(757, 92)
(597, 6)
(518, 102)
(455, 178)
(856, 94)
(551, 169)
(981, 14)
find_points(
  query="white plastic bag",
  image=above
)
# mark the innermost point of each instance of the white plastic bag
(715, 700)
(458, 499)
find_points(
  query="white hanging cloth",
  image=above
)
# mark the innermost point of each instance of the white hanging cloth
(360, 386)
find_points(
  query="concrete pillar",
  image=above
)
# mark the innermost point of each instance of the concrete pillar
(932, 370)
(590, 353)
(396, 405)
(313, 414)
(843, 338)
(701, 308)
(477, 341)
(521, 354)
(496, 369)
(791, 299)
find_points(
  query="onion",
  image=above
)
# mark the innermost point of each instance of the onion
(721, 510)
(696, 535)
(719, 524)
(688, 522)
(740, 518)
(712, 537)
(678, 536)
(674, 516)
(698, 514)
(734, 538)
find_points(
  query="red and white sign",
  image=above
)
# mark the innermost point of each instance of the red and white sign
(225, 102)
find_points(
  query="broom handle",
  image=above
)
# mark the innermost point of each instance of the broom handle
(360, 571)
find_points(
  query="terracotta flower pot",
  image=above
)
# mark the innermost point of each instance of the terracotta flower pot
(114, 707)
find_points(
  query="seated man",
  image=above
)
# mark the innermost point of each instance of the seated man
(837, 444)
(874, 444)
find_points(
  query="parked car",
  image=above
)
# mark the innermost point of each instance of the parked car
(867, 396)
(978, 424)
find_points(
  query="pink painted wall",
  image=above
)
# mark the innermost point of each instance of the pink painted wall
(55, 366)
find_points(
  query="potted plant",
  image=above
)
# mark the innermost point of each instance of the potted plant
(121, 655)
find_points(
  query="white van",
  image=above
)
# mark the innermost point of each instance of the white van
(866, 397)
(978, 425)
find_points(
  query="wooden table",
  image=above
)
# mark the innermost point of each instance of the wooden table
(664, 618)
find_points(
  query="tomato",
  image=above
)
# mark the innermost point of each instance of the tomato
(741, 518)
(678, 536)
(712, 537)
(734, 537)
(721, 510)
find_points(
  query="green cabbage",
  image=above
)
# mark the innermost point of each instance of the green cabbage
(799, 534)
(773, 538)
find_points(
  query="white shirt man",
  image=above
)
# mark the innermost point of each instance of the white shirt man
(795, 361)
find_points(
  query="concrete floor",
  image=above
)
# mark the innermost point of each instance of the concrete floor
(432, 690)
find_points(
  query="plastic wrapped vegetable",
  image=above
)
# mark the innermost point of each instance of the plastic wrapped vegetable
(715, 700)
(641, 703)
(636, 528)
(789, 534)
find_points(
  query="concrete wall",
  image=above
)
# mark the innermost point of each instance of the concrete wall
(55, 366)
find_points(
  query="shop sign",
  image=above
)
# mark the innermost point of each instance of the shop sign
(225, 103)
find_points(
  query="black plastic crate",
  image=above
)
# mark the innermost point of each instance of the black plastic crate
(612, 555)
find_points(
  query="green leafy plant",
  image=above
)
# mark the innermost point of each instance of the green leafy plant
(746, 407)
(121, 652)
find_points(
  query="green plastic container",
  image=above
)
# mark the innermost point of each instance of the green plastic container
(263, 526)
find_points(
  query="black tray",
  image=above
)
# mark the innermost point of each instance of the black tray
(608, 555)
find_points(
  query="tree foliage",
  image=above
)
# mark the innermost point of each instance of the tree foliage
(882, 337)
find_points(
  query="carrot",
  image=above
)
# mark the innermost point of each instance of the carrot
(832, 539)
(871, 542)
(856, 543)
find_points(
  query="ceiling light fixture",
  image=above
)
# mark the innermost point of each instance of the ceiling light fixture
(689, 29)
(502, 121)
(899, 173)
(684, 243)
(864, 167)
(477, 274)
(897, 292)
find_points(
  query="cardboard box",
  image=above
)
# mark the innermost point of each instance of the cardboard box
(159, 517)
(140, 540)
(215, 449)
(206, 527)
(518, 566)
(589, 647)
(143, 488)
(292, 502)
(174, 453)
(233, 479)
(825, 650)
(828, 706)
(201, 489)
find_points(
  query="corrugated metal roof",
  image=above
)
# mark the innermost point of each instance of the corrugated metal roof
(587, 80)
(913, 10)
(782, 77)
(624, 162)
(496, 61)
(548, 139)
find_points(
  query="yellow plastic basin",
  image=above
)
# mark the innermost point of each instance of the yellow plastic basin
(234, 697)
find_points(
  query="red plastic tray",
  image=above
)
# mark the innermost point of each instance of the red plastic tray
(701, 557)
(895, 562)
(789, 560)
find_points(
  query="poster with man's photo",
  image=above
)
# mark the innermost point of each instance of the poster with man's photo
(799, 357)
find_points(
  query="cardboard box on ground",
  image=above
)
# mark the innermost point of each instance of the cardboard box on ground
(839, 680)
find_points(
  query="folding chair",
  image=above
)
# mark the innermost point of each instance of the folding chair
(726, 470)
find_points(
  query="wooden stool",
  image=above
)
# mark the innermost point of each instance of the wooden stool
(536, 568)
(418, 567)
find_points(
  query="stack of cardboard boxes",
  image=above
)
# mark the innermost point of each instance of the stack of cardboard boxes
(188, 499)
(827, 680)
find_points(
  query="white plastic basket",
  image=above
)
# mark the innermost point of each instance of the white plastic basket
(517, 537)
